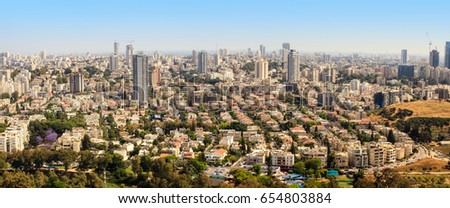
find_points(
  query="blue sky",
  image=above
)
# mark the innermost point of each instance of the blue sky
(81, 26)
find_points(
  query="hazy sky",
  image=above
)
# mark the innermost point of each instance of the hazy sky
(381, 26)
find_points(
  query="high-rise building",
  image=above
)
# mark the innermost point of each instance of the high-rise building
(286, 46)
(293, 66)
(43, 55)
(202, 62)
(113, 62)
(447, 54)
(194, 57)
(407, 71)
(76, 83)
(140, 78)
(116, 48)
(404, 56)
(129, 55)
(262, 50)
(284, 54)
(355, 85)
(217, 59)
(155, 76)
(434, 58)
(262, 69)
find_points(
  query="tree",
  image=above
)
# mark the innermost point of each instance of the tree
(391, 137)
(14, 96)
(257, 169)
(389, 178)
(299, 167)
(40, 156)
(3, 163)
(67, 157)
(314, 165)
(136, 165)
(16, 179)
(86, 160)
(86, 143)
(202, 181)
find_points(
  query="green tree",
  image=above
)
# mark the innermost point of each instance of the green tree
(136, 165)
(67, 157)
(86, 160)
(3, 163)
(40, 156)
(16, 179)
(257, 169)
(391, 137)
(299, 167)
(86, 143)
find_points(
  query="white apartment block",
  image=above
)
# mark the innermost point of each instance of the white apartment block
(15, 137)
(283, 159)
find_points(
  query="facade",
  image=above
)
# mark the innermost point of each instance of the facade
(76, 83)
(140, 78)
(282, 159)
(404, 56)
(262, 69)
(358, 157)
(407, 71)
(434, 58)
(262, 50)
(293, 66)
(14, 137)
(447, 55)
(129, 55)
(155, 75)
(113, 62)
(202, 62)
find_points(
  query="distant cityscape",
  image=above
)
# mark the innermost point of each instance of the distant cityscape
(253, 118)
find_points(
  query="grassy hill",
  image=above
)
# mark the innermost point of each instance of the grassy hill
(425, 108)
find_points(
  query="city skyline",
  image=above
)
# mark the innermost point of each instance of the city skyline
(332, 27)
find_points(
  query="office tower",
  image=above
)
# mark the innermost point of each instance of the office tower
(217, 59)
(434, 58)
(155, 75)
(194, 57)
(249, 52)
(116, 48)
(140, 78)
(202, 62)
(262, 69)
(43, 55)
(293, 66)
(3, 58)
(447, 54)
(129, 55)
(284, 54)
(113, 62)
(406, 71)
(404, 56)
(286, 46)
(262, 50)
(156, 55)
(76, 83)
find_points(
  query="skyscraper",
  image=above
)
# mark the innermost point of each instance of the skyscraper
(404, 56)
(194, 57)
(217, 59)
(116, 48)
(76, 83)
(129, 55)
(43, 55)
(202, 62)
(155, 76)
(262, 50)
(113, 62)
(293, 66)
(140, 77)
(262, 69)
(284, 54)
(407, 71)
(447, 54)
(434, 58)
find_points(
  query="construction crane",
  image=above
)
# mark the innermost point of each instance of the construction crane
(429, 43)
